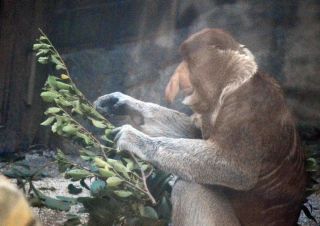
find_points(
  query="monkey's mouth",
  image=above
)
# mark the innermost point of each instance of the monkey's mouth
(188, 93)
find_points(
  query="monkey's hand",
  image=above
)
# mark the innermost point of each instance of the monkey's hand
(132, 140)
(151, 119)
(116, 103)
(121, 109)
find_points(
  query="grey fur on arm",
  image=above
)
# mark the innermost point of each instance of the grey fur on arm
(195, 160)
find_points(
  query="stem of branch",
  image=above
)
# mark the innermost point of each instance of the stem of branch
(144, 179)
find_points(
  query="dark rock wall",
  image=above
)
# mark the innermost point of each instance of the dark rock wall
(283, 35)
(132, 46)
(301, 64)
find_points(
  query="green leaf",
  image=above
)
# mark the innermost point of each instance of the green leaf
(74, 190)
(144, 167)
(96, 114)
(77, 174)
(102, 211)
(85, 138)
(56, 204)
(72, 220)
(42, 52)
(98, 124)
(18, 172)
(70, 129)
(43, 38)
(130, 164)
(60, 67)
(63, 102)
(62, 160)
(123, 193)
(53, 110)
(51, 81)
(86, 108)
(70, 200)
(55, 60)
(40, 46)
(114, 181)
(49, 96)
(76, 107)
(311, 165)
(84, 151)
(54, 127)
(85, 157)
(48, 121)
(164, 208)
(43, 60)
(119, 167)
(57, 125)
(105, 172)
(108, 141)
(101, 163)
(108, 133)
(62, 85)
(148, 212)
(97, 186)
(36, 46)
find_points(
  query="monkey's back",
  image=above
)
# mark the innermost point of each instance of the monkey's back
(278, 196)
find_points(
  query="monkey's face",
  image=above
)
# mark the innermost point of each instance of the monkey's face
(180, 80)
(200, 74)
(213, 66)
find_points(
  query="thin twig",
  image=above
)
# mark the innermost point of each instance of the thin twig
(144, 179)
(149, 174)
(98, 143)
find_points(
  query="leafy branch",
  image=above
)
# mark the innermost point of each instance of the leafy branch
(117, 178)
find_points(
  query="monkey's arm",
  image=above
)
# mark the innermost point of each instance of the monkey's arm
(149, 118)
(200, 161)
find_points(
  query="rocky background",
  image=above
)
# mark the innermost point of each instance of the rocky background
(132, 46)
(283, 35)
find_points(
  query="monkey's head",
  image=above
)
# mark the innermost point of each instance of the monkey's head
(216, 38)
(214, 65)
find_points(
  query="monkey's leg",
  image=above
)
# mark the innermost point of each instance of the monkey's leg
(149, 118)
(198, 205)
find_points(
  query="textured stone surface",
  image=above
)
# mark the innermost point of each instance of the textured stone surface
(284, 37)
(302, 63)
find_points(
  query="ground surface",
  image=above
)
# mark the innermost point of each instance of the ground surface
(55, 180)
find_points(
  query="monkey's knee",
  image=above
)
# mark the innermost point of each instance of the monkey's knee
(195, 204)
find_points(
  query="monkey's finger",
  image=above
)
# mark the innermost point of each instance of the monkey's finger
(107, 104)
(114, 133)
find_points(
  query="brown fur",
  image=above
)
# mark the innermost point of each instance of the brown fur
(248, 168)
(241, 127)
